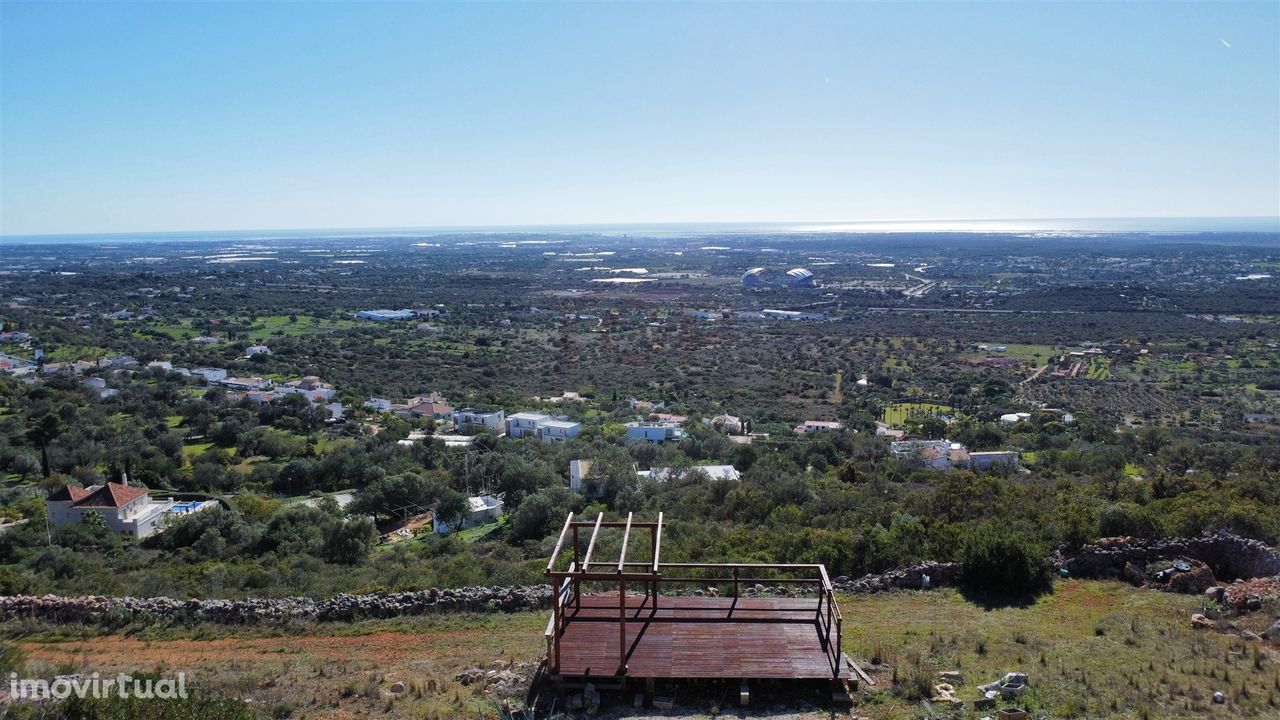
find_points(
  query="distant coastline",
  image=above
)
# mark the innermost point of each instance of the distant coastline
(1029, 226)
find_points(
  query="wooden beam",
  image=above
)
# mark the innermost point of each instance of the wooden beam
(591, 546)
(560, 542)
(626, 537)
(657, 544)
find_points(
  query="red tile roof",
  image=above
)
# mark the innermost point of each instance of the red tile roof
(112, 495)
(69, 492)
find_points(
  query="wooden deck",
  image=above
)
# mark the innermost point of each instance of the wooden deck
(697, 638)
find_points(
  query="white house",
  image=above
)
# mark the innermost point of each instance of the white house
(654, 432)
(813, 426)
(126, 509)
(311, 387)
(525, 424)
(559, 430)
(494, 421)
(246, 383)
(480, 510)
(541, 426)
(989, 459)
(578, 472)
(936, 454)
(378, 404)
(257, 350)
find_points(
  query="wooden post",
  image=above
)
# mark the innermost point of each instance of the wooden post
(555, 628)
(622, 627)
(577, 584)
(735, 583)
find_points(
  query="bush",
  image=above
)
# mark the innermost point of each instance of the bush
(1002, 562)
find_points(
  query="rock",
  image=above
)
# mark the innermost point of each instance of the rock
(951, 676)
(1219, 698)
(1201, 622)
(1134, 574)
(1250, 636)
(1273, 632)
(1216, 593)
(397, 687)
(1196, 580)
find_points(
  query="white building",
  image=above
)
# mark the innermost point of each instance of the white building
(480, 510)
(494, 421)
(525, 424)
(126, 509)
(813, 426)
(211, 374)
(257, 350)
(559, 430)
(654, 432)
(986, 460)
(541, 426)
(378, 404)
(578, 472)
(246, 383)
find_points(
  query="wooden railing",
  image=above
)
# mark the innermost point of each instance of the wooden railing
(651, 573)
(732, 575)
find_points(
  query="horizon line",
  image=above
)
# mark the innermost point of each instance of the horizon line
(731, 226)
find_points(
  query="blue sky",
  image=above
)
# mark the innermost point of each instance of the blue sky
(186, 116)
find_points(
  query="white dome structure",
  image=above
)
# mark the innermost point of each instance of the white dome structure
(799, 277)
(754, 276)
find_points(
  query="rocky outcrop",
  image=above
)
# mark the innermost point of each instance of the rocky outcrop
(1228, 556)
(908, 578)
(112, 610)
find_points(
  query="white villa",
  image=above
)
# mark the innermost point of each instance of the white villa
(126, 509)
(813, 426)
(494, 421)
(543, 427)
(654, 432)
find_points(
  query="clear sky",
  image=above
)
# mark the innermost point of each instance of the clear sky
(186, 116)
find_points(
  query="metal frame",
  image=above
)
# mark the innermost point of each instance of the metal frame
(567, 584)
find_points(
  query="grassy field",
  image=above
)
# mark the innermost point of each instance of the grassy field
(898, 413)
(1038, 353)
(1092, 650)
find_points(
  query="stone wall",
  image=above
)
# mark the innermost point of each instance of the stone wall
(1229, 556)
(113, 610)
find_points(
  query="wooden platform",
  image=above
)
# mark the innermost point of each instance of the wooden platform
(697, 638)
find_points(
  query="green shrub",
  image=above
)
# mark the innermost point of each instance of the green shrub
(999, 561)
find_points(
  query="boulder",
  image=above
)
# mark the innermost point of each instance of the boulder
(1134, 574)
(1273, 633)
(1194, 581)
(1201, 622)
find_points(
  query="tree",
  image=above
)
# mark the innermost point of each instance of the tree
(350, 541)
(451, 507)
(44, 431)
